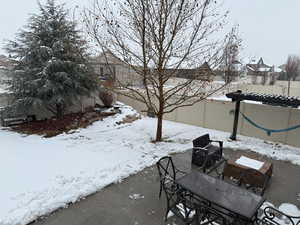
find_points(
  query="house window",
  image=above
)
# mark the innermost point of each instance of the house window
(101, 71)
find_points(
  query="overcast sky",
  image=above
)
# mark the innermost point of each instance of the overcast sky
(269, 28)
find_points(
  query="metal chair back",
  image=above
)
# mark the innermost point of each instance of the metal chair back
(201, 141)
(204, 154)
(167, 173)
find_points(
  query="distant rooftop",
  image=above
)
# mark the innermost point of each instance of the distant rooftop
(260, 66)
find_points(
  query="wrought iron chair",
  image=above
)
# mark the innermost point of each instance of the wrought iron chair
(179, 202)
(273, 216)
(208, 215)
(205, 155)
(167, 172)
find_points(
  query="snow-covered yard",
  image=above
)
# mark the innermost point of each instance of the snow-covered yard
(39, 175)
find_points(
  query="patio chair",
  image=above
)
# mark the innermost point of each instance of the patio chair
(273, 216)
(209, 215)
(205, 155)
(167, 172)
(212, 215)
(178, 201)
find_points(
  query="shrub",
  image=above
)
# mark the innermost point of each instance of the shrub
(107, 98)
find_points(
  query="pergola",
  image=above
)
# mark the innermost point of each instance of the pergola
(277, 100)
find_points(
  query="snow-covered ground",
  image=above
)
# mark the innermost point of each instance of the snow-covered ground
(39, 175)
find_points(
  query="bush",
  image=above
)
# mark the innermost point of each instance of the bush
(107, 98)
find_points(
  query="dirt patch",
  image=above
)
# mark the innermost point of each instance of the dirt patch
(53, 127)
(129, 119)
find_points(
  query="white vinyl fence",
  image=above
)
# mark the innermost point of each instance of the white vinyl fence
(216, 114)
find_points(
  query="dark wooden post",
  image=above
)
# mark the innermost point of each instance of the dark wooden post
(236, 120)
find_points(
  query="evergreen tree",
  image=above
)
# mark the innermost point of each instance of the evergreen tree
(51, 69)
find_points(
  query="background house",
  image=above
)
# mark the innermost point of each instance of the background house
(109, 67)
(203, 72)
(232, 74)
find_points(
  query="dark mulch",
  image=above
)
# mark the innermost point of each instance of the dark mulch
(53, 127)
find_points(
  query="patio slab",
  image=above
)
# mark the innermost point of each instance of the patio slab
(117, 204)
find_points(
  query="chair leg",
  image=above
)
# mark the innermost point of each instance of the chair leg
(166, 216)
(160, 190)
(167, 213)
(197, 217)
(168, 210)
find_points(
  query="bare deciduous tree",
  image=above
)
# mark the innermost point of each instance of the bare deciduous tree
(155, 38)
(292, 69)
(231, 65)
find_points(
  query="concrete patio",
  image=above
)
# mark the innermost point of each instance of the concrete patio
(113, 205)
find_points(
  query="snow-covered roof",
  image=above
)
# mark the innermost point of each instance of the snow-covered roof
(250, 67)
(260, 66)
(277, 70)
(264, 69)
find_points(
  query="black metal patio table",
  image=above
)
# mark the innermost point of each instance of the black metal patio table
(240, 202)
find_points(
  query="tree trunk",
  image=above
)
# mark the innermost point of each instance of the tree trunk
(289, 86)
(160, 115)
(59, 111)
(159, 127)
(160, 111)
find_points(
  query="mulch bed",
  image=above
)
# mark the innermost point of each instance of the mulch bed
(53, 127)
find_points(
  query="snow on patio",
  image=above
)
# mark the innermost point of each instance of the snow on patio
(39, 175)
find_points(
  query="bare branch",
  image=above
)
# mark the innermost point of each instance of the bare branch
(156, 39)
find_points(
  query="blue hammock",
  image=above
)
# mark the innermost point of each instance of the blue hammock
(269, 131)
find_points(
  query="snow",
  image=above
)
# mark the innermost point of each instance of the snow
(251, 163)
(277, 70)
(182, 209)
(136, 196)
(287, 208)
(3, 90)
(264, 69)
(225, 99)
(40, 175)
(220, 98)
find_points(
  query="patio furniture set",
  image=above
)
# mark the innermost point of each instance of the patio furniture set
(234, 196)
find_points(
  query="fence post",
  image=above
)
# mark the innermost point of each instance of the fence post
(236, 120)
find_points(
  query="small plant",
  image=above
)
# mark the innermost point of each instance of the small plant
(107, 98)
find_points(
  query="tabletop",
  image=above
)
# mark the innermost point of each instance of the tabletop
(221, 193)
